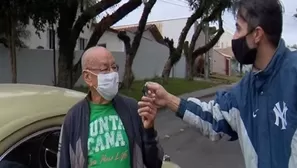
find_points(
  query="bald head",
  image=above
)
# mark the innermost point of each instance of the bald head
(95, 57)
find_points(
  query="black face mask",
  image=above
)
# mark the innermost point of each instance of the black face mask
(243, 54)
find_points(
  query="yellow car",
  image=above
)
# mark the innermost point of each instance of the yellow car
(30, 122)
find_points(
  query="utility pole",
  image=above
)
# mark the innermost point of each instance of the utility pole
(206, 55)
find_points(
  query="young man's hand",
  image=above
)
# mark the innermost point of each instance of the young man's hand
(161, 98)
(158, 93)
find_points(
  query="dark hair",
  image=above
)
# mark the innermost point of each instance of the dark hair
(268, 14)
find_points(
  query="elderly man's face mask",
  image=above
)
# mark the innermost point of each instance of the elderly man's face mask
(107, 84)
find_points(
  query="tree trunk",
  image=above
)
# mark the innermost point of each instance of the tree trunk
(190, 71)
(63, 73)
(206, 55)
(122, 35)
(212, 42)
(189, 75)
(68, 32)
(168, 65)
(198, 66)
(166, 71)
(128, 75)
(12, 48)
(175, 57)
(190, 59)
(68, 14)
(102, 26)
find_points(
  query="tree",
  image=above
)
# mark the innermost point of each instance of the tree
(11, 38)
(204, 10)
(295, 15)
(70, 26)
(194, 53)
(15, 16)
(73, 16)
(131, 50)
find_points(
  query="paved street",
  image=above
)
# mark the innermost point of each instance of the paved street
(189, 149)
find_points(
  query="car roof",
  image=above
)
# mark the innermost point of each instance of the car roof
(24, 104)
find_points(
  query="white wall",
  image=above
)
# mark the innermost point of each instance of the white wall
(150, 58)
(113, 43)
(148, 35)
(173, 27)
(225, 40)
(219, 63)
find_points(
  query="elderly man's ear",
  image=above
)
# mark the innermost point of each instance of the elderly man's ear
(87, 78)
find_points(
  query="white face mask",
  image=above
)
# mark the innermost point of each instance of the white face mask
(108, 85)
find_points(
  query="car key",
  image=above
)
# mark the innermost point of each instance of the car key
(145, 90)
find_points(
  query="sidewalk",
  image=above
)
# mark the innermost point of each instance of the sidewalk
(206, 92)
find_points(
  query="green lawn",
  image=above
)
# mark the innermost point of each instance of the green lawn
(175, 86)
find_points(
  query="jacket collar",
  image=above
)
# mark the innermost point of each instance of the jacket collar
(276, 60)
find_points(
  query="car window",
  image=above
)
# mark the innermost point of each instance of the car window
(38, 150)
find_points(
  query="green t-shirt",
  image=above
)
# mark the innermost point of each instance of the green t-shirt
(108, 145)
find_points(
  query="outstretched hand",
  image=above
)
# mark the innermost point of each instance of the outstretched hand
(159, 95)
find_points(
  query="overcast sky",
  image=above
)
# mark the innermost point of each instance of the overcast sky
(170, 9)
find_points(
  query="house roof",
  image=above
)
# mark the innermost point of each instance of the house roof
(226, 52)
(149, 27)
(93, 25)
(149, 22)
(113, 30)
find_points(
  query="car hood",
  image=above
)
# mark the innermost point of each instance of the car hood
(23, 104)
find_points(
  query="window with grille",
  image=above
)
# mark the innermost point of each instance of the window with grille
(102, 45)
(82, 43)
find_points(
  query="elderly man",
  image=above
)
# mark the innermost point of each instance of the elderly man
(104, 130)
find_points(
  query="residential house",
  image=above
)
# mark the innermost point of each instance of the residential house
(151, 32)
(225, 41)
(170, 28)
(111, 41)
(151, 54)
(221, 61)
(45, 40)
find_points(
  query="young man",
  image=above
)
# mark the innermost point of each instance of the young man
(104, 130)
(261, 110)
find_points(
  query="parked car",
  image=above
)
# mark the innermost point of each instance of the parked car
(30, 122)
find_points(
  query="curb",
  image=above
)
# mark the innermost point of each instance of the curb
(206, 95)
